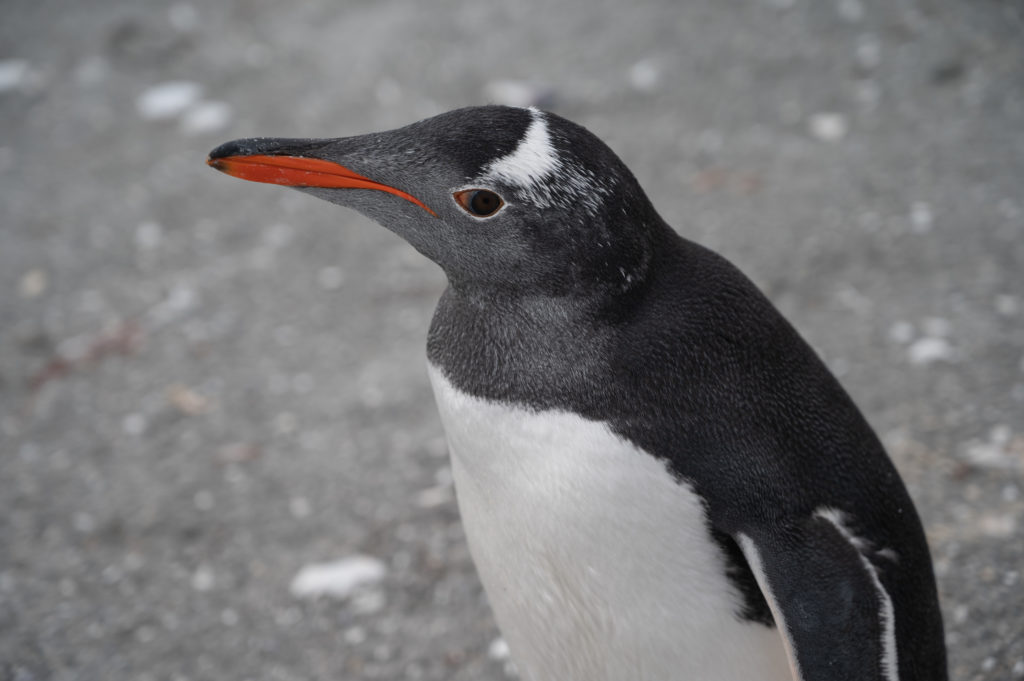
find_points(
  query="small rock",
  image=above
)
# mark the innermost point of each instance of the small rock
(518, 93)
(498, 650)
(186, 400)
(339, 579)
(644, 75)
(33, 284)
(828, 127)
(929, 350)
(168, 99)
(203, 578)
(206, 117)
(13, 74)
(920, 218)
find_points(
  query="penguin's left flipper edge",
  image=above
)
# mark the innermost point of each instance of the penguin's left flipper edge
(833, 613)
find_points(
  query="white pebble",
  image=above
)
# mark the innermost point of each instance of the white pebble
(203, 578)
(354, 635)
(167, 99)
(515, 93)
(339, 579)
(929, 350)
(498, 650)
(206, 117)
(1018, 668)
(644, 75)
(13, 74)
(828, 127)
(920, 218)
(33, 283)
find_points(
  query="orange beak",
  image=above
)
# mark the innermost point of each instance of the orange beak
(298, 171)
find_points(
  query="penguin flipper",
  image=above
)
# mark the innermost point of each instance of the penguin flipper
(828, 603)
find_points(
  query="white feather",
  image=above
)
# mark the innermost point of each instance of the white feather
(541, 176)
(597, 562)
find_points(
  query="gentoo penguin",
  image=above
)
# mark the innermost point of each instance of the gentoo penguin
(659, 479)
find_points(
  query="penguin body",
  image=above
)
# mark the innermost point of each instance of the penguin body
(659, 479)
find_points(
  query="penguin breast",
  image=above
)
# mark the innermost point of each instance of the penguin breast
(597, 562)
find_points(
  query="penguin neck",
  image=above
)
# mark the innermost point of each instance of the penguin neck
(528, 349)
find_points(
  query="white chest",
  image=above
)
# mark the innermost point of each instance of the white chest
(597, 562)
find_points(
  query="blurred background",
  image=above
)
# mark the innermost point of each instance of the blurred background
(219, 455)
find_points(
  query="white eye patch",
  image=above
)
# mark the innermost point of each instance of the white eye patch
(541, 177)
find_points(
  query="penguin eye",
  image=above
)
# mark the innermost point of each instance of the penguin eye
(479, 202)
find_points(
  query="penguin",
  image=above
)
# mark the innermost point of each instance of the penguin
(658, 478)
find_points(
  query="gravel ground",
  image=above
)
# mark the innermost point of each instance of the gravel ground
(207, 385)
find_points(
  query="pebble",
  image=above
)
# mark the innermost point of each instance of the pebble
(13, 74)
(33, 284)
(929, 350)
(339, 579)
(498, 650)
(920, 218)
(645, 75)
(828, 126)
(203, 579)
(518, 93)
(167, 99)
(206, 117)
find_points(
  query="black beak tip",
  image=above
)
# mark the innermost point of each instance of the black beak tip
(243, 147)
(266, 146)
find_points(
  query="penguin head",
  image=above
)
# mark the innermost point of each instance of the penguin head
(517, 200)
